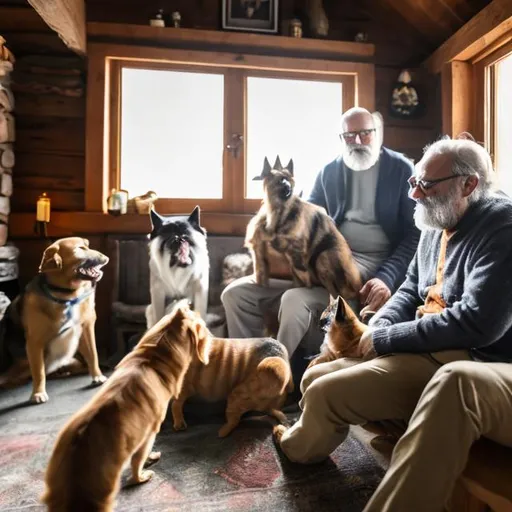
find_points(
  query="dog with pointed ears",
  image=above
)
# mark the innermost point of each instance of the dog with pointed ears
(317, 252)
(343, 331)
(178, 264)
(54, 318)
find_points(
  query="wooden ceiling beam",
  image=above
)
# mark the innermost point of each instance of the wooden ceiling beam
(490, 24)
(417, 15)
(67, 18)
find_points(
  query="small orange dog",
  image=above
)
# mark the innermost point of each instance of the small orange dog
(253, 374)
(123, 418)
(343, 330)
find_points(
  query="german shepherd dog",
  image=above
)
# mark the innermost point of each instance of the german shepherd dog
(178, 264)
(121, 421)
(317, 252)
(253, 374)
(343, 330)
(54, 317)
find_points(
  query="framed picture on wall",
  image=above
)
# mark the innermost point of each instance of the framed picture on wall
(250, 15)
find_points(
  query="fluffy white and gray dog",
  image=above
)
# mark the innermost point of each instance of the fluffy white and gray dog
(178, 264)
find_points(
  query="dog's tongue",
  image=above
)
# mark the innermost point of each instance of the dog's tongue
(184, 253)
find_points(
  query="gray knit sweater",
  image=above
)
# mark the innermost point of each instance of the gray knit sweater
(477, 288)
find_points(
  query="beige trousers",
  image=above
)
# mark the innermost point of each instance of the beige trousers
(448, 401)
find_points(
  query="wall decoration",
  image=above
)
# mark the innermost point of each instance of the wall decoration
(405, 101)
(250, 15)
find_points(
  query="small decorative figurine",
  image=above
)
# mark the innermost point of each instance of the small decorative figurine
(404, 100)
(176, 19)
(295, 28)
(361, 37)
(158, 20)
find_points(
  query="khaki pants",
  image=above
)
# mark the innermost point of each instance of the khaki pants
(448, 401)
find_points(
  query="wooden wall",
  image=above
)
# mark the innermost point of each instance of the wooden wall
(50, 99)
(50, 90)
(48, 84)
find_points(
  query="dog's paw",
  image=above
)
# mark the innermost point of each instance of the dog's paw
(179, 425)
(144, 476)
(98, 380)
(153, 458)
(39, 398)
(278, 432)
(225, 430)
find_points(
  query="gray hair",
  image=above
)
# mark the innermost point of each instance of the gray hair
(468, 159)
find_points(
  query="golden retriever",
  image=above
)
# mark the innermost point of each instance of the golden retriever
(54, 317)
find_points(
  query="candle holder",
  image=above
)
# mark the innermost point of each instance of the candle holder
(43, 209)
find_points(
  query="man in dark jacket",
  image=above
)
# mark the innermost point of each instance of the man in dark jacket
(438, 354)
(365, 192)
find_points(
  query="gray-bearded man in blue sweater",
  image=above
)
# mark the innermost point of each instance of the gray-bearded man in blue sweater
(365, 191)
(438, 355)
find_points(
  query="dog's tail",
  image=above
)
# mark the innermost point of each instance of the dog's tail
(83, 472)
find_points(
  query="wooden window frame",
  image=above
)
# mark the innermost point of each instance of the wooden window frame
(484, 76)
(103, 116)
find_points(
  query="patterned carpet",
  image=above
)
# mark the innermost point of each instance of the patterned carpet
(198, 471)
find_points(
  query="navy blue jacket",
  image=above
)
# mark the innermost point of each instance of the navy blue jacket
(393, 208)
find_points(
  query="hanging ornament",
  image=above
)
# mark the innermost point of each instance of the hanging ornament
(42, 215)
(404, 99)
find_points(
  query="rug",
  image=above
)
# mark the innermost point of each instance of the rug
(198, 471)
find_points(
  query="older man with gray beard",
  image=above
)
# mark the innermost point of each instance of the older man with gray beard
(365, 191)
(437, 355)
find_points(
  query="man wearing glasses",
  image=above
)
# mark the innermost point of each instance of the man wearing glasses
(365, 192)
(437, 355)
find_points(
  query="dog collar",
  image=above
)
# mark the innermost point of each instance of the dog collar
(68, 304)
(60, 289)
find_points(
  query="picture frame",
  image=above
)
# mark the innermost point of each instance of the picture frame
(250, 15)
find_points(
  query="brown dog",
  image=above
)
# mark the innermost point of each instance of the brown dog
(253, 374)
(123, 418)
(54, 317)
(317, 252)
(343, 330)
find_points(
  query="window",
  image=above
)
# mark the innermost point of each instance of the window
(494, 76)
(172, 131)
(195, 126)
(296, 119)
(503, 122)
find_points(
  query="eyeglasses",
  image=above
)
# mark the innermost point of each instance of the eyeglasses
(425, 185)
(364, 135)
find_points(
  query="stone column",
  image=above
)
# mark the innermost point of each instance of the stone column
(9, 286)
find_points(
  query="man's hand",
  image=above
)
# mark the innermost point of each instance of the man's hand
(373, 295)
(366, 347)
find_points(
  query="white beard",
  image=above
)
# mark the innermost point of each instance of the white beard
(436, 212)
(360, 158)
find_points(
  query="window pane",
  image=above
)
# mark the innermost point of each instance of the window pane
(296, 119)
(172, 126)
(503, 127)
